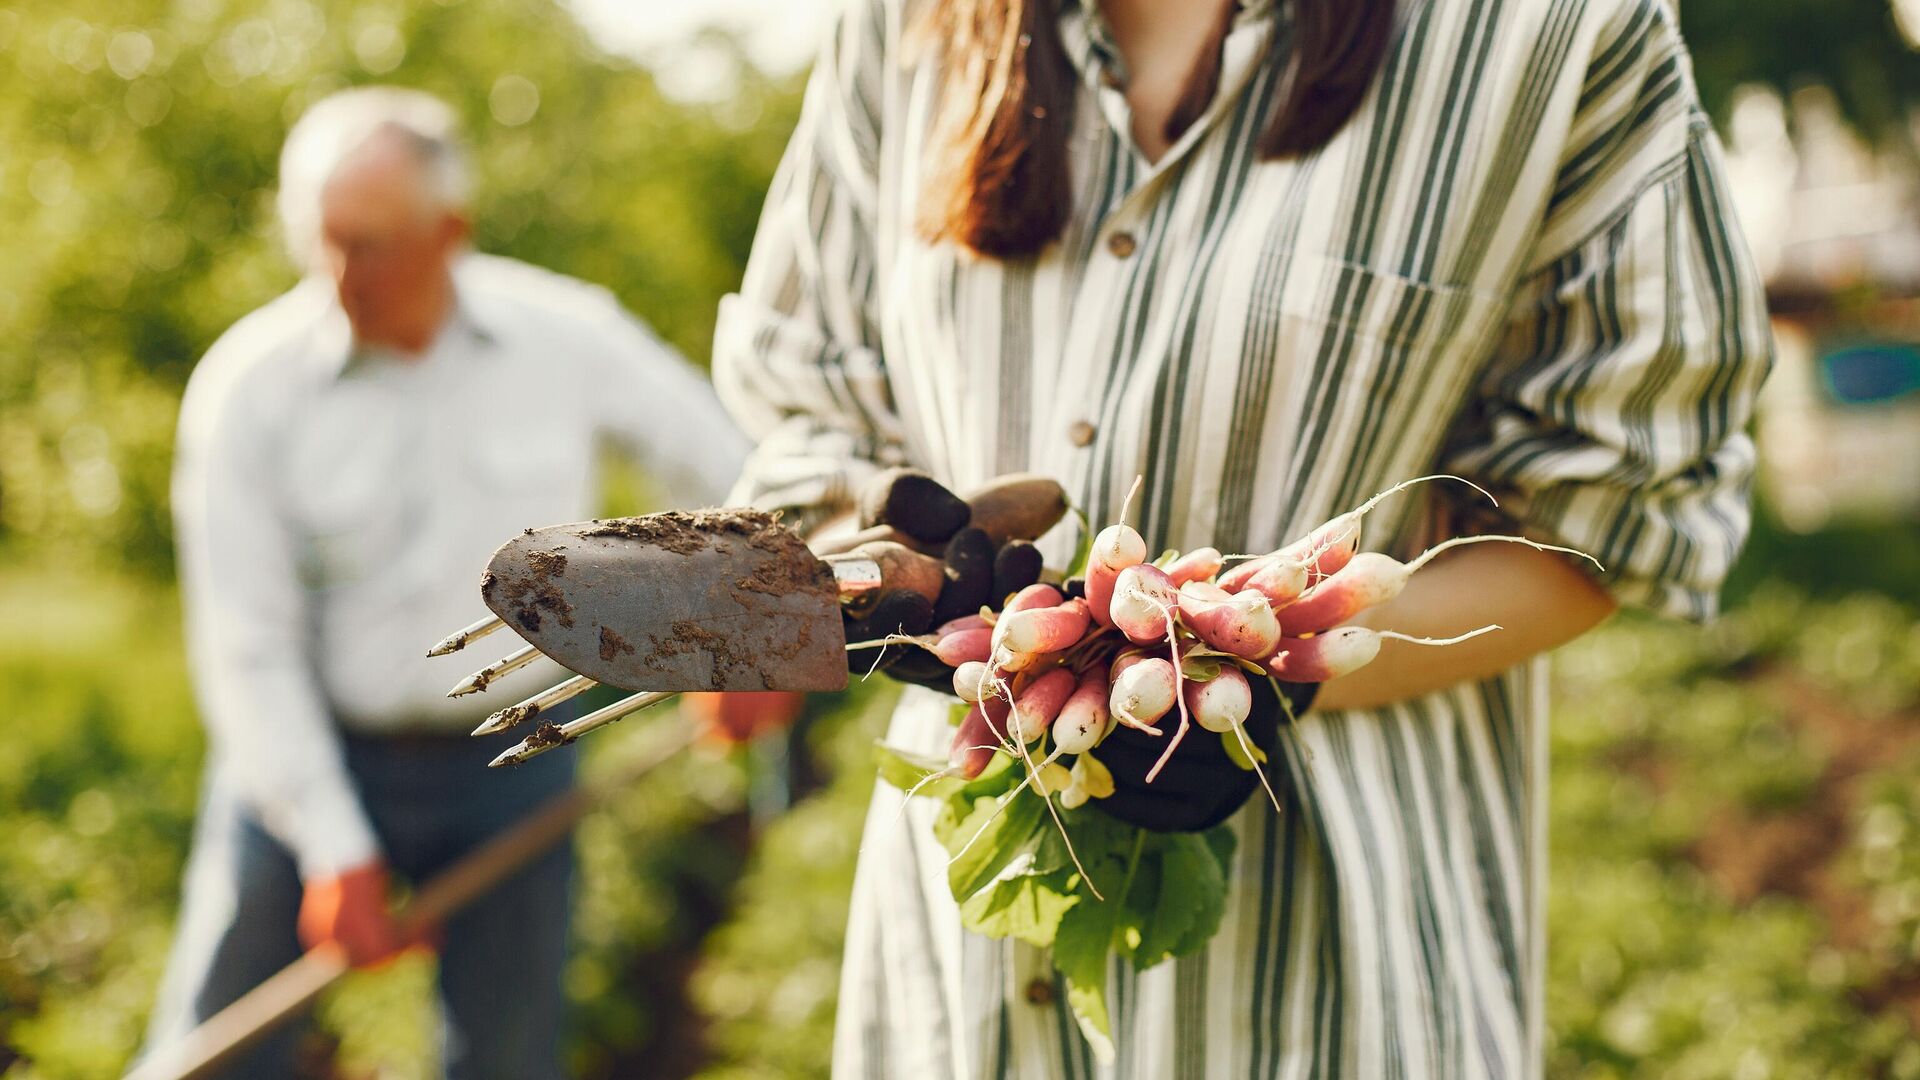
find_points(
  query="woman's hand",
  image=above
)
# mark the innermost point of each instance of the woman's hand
(1539, 599)
(979, 574)
(1201, 786)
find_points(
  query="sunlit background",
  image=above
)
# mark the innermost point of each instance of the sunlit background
(1736, 811)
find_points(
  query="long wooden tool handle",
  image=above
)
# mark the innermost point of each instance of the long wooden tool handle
(291, 989)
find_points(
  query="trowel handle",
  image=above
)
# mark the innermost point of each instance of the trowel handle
(1018, 506)
(883, 566)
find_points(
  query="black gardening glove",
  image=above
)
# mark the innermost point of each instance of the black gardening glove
(1201, 786)
(977, 575)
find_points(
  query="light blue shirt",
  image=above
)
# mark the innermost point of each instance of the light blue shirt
(335, 506)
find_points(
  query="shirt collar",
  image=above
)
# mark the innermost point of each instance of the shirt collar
(1091, 48)
(341, 355)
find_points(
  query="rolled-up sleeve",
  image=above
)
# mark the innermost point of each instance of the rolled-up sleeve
(1614, 415)
(796, 351)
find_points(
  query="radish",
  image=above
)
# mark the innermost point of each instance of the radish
(1372, 578)
(964, 622)
(1037, 595)
(969, 679)
(1239, 623)
(1115, 549)
(1280, 581)
(1142, 690)
(1035, 707)
(1143, 601)
(963, 645)
(1327, 548)
(1083, 720)
(1236, 579)
(1223, 702)
(1042, 629)
(1200, 564)
(1343, 650)
(1011, 662)
(973, 745)
(1331, 546)
(994, 709)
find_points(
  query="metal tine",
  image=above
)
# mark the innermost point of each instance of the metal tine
(533, 706)
(466, 636)
(479, 680)
(547, 736)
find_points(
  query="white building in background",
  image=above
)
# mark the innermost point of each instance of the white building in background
(1836, 229)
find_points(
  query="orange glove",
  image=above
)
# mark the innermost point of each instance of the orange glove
(349, 911)
(740, 716)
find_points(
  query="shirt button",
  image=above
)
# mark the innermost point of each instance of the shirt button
(1039, 992)
(1121, 244)
(1081, 433)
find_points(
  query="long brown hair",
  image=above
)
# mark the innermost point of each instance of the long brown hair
(997, 171)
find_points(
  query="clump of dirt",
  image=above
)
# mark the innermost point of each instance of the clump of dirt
(688, 635)
(546, 735)
(612, 644)
(684, 532)
(787, 573)
(547, 563)
(528, 597)
(517, 714)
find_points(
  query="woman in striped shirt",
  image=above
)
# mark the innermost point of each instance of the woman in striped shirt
(1273, 256)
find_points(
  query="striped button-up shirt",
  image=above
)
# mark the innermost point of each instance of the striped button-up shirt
(1517, 262)
(334, 507)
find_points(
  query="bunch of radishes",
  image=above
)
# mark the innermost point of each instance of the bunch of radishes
(1054, 671)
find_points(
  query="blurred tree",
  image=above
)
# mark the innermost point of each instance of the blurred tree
(141, 141)
(1856, 48)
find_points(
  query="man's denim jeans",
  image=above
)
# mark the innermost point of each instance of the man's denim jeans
(431, 802)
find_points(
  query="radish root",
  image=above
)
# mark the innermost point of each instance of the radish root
(1395, 635)
(1462, 541)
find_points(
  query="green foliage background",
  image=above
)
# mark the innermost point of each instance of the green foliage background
(1734, 815)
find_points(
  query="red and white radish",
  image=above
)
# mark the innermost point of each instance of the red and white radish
(1038, 595)
(1280, 581)
(1327, 548)
(1372, 578)
(1235, 578)
(1084, 719)
(1143, 690)
(970, 681)
(1200, 564)
(1144, 599)
(1342, 651)
(1330, 546)
(1222, 703)
(964, 622)
(1035, 707)
(963, 645)
(1116, 548)
(1042, 629)
(995, 709)
(1239, 623)
(973, 745)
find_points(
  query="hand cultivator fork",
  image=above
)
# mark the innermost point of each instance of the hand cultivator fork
(708, 600)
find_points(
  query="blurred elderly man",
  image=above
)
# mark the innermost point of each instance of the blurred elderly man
(349, 456)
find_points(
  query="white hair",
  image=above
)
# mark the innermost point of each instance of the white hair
(336, 126)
